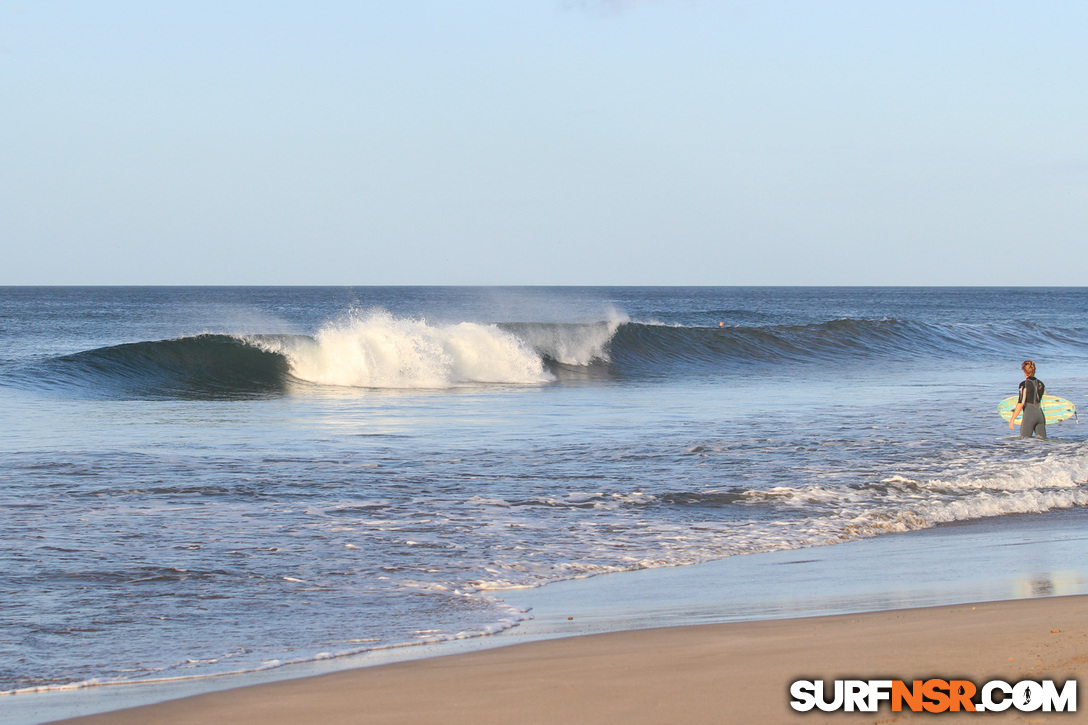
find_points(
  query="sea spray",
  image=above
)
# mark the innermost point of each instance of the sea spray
(377, 350)
(579, 344)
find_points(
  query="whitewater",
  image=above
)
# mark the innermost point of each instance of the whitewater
(207, 480)
(377, 350)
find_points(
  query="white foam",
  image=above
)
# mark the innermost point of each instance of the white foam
(580, 344)
(377, 350)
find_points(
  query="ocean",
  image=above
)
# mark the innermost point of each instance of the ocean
(196, 481)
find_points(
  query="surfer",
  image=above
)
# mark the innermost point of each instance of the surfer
(1030, 401)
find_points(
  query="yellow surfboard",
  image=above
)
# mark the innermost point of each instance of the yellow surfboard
(1054, 409)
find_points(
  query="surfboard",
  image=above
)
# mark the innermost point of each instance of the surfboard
(1055, 409)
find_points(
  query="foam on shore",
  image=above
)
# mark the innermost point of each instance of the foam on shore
(1002, 558)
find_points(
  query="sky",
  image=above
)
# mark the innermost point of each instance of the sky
(544, 142)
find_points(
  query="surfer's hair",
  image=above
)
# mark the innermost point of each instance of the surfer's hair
(1028, 367)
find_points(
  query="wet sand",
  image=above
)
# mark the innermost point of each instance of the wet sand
(685, 644)
(723, 673)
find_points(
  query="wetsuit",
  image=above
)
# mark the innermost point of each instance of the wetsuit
(1031, 395)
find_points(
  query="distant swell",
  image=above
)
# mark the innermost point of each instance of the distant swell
(377, 350)
(664, 350)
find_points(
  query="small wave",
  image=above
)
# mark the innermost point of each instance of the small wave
(899, 504)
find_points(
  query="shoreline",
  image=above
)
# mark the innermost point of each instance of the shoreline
(732, 672)
(1005, 558)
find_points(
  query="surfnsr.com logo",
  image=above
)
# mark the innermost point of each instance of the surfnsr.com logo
(934, 695)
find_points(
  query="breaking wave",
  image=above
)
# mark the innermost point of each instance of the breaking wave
(378, 350)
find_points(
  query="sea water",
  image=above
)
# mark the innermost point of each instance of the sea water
(204, 480)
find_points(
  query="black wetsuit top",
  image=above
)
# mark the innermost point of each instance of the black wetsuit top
(1034, 422)
(1031, 394)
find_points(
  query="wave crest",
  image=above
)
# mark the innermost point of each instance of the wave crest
(378, 350)
(201, 366)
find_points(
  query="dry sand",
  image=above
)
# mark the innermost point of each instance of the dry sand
(723, 673)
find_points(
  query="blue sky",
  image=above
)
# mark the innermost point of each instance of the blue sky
(544, 142)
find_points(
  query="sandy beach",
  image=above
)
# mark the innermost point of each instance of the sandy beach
(732, 673)
(687, 644)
